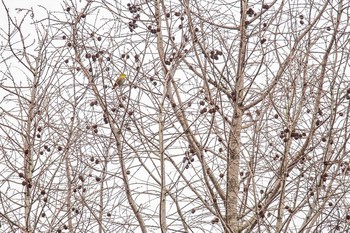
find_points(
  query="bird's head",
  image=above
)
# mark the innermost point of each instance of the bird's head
(122, 76)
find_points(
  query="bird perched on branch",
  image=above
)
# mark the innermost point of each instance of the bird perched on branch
(120, 80)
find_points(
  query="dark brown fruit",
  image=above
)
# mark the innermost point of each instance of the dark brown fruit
(204, 110)
(215, 220)
(261, 214)
(265, 6)
(250, 12)
(81, 178)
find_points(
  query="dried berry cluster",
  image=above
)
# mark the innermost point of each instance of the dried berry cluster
(215, 220)
(132, 23)
(250, 12)
(133, 8)
(95, 56)
(214, 54)
(152, 29)
(295, 135)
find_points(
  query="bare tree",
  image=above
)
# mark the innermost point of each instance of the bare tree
(234, 117)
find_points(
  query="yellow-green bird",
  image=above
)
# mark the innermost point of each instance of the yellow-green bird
(120, 80)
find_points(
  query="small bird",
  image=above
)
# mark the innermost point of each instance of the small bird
(120, 80)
